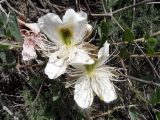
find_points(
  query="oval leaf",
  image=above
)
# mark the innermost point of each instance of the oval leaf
(128, 35)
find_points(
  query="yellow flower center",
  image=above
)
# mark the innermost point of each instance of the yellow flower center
(66, 34)
(90, 69)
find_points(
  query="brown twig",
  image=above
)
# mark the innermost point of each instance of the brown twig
(33, 103)
(142, 55)
(116, 11)
(32, 5)
(2, 1)
(148, 61)
(24, 78)
(141, 80)
(131, 6)
(18, 66)
(8, 110)
(139, 39)
(76, 2)
(12, 8)
(88, 7)
(122, 63)
(39, 91)
(153, 3)
(110, 111)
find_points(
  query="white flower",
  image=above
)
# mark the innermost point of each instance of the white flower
(32, 42)
(32, 26)
(28, 52)
(29, 37)
(67, 34)
(95, 78)
(33, 39)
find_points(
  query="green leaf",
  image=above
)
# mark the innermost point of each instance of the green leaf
(3, 19)
(133, 114)
(4, 47)
(103, 31)
(103, 28)
(10, 58)
(55, 98)
(150, 50)
(146, 36)
(124, 53)
(148, 77)
(157, 115)
(2, 33)
(128, 35)
(3, 56)
(13, 26)
(156, 97)
(136, 114)
(112, 3)
(152, 42)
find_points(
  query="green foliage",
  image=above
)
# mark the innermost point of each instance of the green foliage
(124, 53)
(109, 3)
(2, 33)
(155, 98)
(52, 103)
(103, 31)
(13, 26)
(151, 44)
(112, 3)
(4, 47)
(136, 114)
(3, 19)
(55, 102)
(9, 27)
(7, 59)
(128, 35)
(148, 77)
(157, 115)
(133, 114)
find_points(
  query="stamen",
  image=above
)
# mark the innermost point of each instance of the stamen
(84, 43)
(66, 34)
(110, 57)
(116, 87)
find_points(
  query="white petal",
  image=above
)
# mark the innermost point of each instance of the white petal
(103, 54)
(81, 57)
(89, 30)
(33, 26)
(71, 15)
(49, 24)
(28, 52)
(83, 93)
(103, 87)
(56, 68)
(54, 56)
(79, 21)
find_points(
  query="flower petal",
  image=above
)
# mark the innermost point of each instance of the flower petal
(28, 52)
(103, 54)
(55, 67)
(71, 15)
(49, 24)
(79, 21)
(33, 26)
(83, 93)
(53, 70)
(81, 57)
(103, 87)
